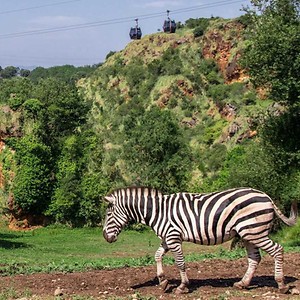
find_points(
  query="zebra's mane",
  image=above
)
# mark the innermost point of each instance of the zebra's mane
(143, 188)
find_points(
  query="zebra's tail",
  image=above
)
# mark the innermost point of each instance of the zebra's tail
(292, 220)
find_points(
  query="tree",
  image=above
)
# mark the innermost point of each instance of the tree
(272, 57)
(79, 186)
(63, 108)
(24, 73)
(155, 151)
(33, 184)
(66, 73)
(9, 72)
(15, 91)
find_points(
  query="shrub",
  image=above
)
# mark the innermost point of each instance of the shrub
(198, 31)
(15, 102)
(32, 107)
(171, 63)
(218, 92)
(207, 65)
(32, 185)
(201, 27)
(155, 152)
(249, 98)
(197, 23)
(135, 73)
(245, 20)
(214, 78)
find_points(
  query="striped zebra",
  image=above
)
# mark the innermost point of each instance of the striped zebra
(206, 219)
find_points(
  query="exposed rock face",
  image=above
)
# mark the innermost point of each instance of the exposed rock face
(10, 122)
(233, 129)
(246, 135)
(220, 45)
(228, 111)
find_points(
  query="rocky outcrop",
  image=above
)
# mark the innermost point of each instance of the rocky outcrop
(220, 45)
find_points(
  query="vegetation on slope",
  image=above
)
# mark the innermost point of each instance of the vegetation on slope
(173, 111)
(169, 72)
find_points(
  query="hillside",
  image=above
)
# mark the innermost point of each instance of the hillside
(197, 79)
(172, 111)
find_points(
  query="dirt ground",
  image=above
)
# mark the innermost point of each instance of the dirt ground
(209, 279)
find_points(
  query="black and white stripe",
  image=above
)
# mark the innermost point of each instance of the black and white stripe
(206, 219)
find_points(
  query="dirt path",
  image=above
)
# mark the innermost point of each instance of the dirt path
(210, 279)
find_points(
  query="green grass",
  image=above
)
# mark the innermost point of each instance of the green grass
(62, 249)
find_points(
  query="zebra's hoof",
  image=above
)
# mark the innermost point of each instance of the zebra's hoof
(284, 289)
(164, 284)
(180, 291)
(239, 285)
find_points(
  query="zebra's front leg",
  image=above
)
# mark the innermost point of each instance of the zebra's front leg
(161, 251)
(180, 263)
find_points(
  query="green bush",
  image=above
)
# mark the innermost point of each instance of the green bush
(207, 66)
(214, 78)
(198, 31)
(202, 25)
(15, 91)
(33, 180)
(252, 166)
(249, 98)
(15, 102)
(218, 93)
(135, 73)
(195, 23)
(155, 152)
(65, 202)
(171, 63)
(32, 107)
(245, 20)
(215, 157)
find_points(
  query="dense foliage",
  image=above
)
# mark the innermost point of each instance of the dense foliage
(272, 57)
(164, 112)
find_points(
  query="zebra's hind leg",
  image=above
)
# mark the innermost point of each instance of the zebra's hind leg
(253, 261)
(161, 251)
(276, 251)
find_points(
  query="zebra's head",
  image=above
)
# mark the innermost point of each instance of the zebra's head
(115, 219)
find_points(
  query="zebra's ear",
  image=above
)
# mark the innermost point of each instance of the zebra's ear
(110, 199)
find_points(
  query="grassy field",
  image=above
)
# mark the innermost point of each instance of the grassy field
(64, 249)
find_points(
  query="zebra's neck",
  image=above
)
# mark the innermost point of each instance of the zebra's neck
(142, 204)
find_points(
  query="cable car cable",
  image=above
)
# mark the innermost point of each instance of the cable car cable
(36, 7)
(111, 21)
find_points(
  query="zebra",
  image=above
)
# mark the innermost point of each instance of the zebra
(206, 219)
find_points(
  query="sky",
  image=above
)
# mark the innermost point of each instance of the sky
(82, 32)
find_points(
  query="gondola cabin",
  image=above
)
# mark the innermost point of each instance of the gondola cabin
(169, 25)
(135, 33)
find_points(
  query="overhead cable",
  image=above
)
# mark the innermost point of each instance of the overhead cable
(115, 21)
(36, 7)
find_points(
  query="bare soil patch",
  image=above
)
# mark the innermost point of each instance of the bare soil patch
(209, 279)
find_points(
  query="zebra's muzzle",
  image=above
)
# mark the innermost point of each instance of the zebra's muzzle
(109, 237)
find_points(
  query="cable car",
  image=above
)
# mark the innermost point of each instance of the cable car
(169, 25)
(135, 33)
